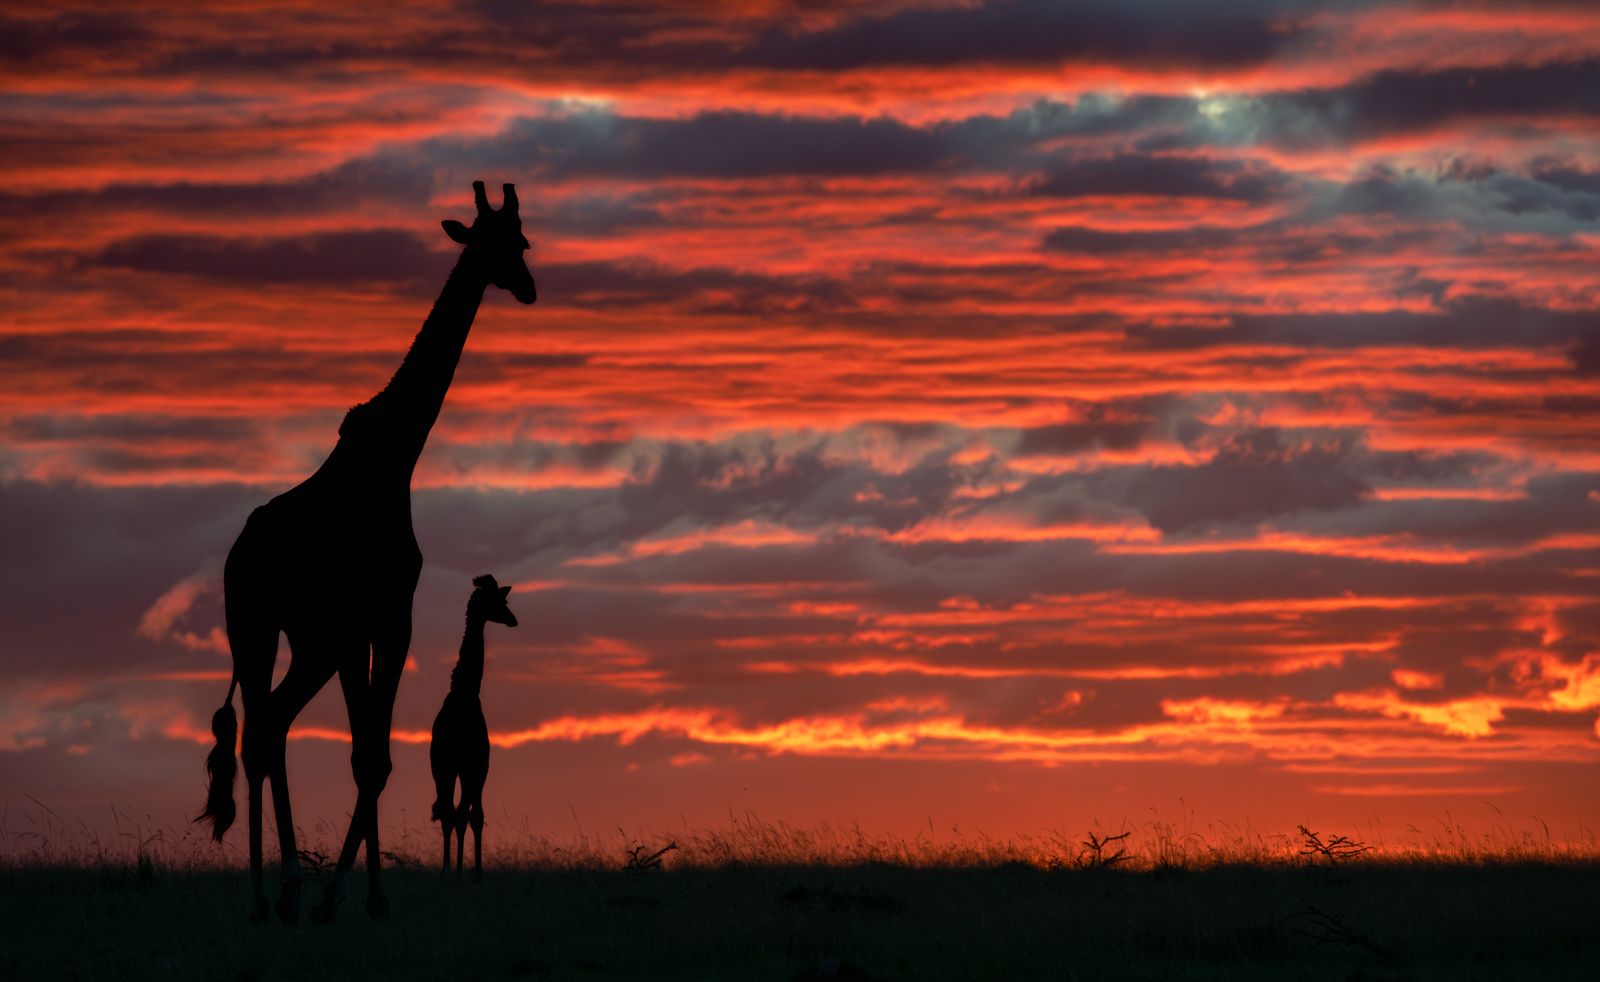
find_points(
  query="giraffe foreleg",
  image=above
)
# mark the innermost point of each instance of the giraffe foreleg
(353, 682)
(307, 674)
(338, 888)
(377, 900)
(289, 879)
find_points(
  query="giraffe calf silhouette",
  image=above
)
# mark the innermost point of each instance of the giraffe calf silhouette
(460, 747)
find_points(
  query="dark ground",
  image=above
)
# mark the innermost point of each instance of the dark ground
(1362, 921)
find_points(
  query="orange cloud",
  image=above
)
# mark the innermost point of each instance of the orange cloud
(1472, 717)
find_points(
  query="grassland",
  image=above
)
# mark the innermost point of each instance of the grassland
(758, 901)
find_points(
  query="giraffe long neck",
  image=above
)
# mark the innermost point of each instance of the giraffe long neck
(466, 678)
(400, 417)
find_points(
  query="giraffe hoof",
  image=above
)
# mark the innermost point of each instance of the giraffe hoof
(377, 905)
(324, 913)
(256, 909)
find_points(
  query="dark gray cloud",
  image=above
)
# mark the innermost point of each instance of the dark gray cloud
(55, 34)
(1567, 174)
(1095, 241)
(682, 486)
(1461, 210)
(1178, 177)
(631, 41)
(713, 144)
(1255, 474)
(1554, 505)
(404, 260)
(133, 362)
(706, 289)
(48, 428)
(1392, 102)
(1479, 197)
(1147, 33)
(596, 214)
(372, 255)
(350, 184)
(1117, 424)
(1282, 243)
(1469, 322)
(725, 144)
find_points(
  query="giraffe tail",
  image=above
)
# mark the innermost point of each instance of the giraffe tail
(221, 767)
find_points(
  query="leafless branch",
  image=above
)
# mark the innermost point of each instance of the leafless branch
(1093, 855)
(640, 860)
(1335, 850)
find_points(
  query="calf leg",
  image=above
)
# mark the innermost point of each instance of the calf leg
(446, 823)
(444, 812)
(476, 818)
(461, 837)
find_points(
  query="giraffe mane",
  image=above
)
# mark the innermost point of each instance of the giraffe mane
(355, 418)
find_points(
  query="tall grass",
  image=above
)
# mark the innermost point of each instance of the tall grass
(37, 837)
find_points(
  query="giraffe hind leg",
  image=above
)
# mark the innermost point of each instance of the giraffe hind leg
(441, 763)
(444, 812)
(254, 650)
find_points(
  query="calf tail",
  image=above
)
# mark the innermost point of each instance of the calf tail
(444, 809)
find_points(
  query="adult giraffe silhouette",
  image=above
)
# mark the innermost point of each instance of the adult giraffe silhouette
(332, 563)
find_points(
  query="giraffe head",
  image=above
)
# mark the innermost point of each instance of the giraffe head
(495, 241)
(488, 602)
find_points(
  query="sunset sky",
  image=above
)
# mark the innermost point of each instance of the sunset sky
(1004, 415)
